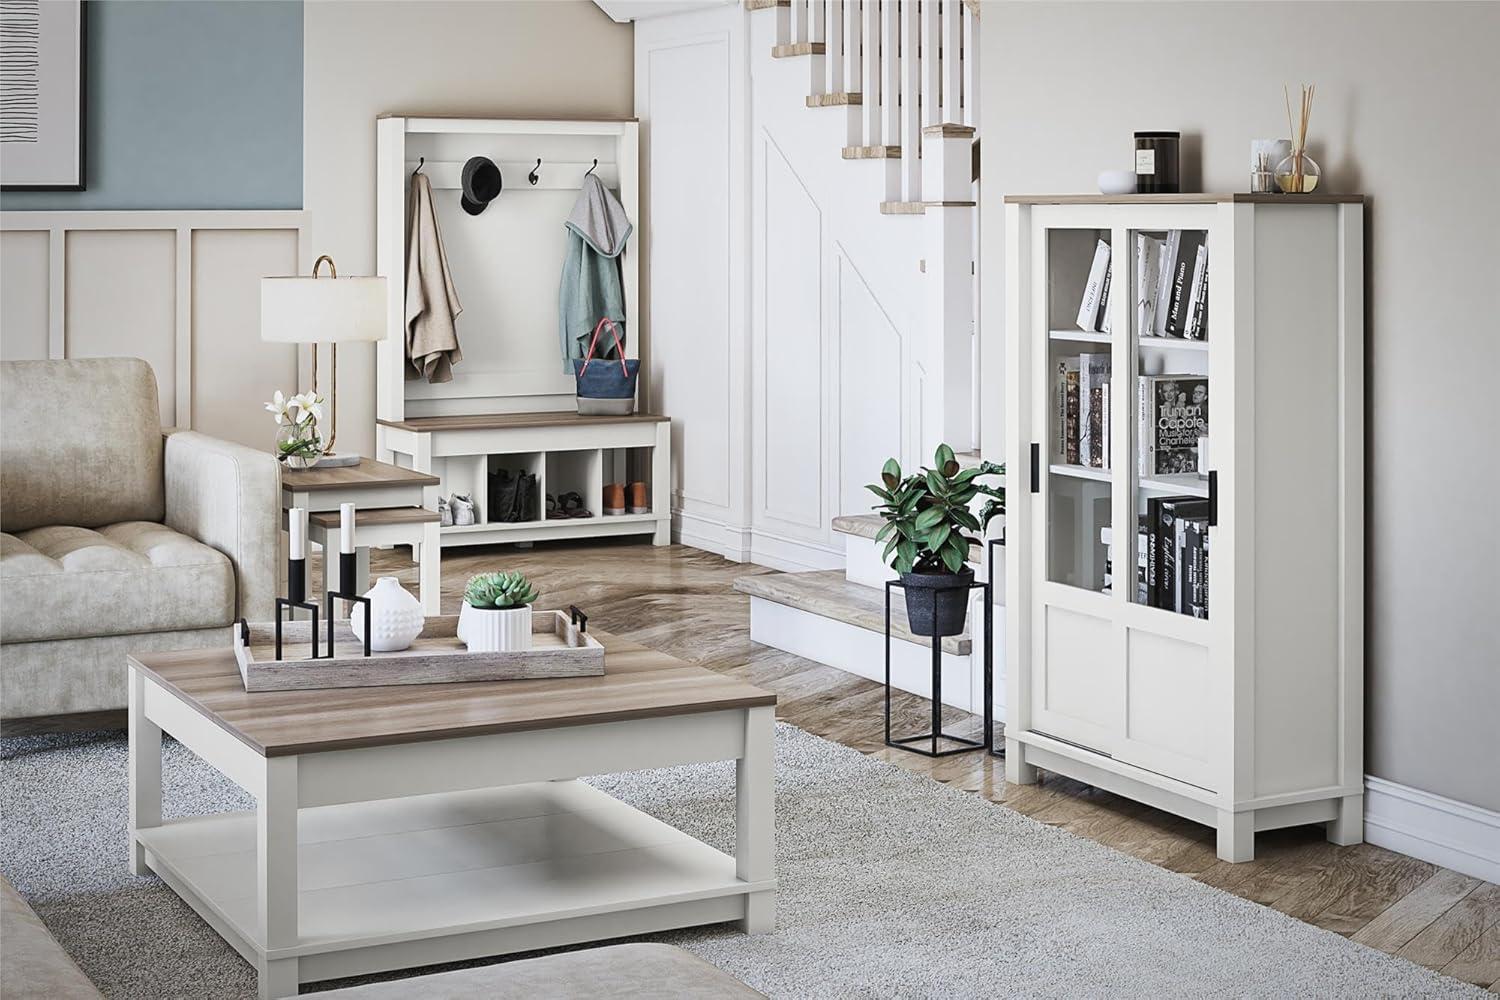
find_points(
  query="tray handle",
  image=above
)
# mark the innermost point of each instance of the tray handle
(578, 618)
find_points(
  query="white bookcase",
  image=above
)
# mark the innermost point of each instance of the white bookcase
(1250, 718)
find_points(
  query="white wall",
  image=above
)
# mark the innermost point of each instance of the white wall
(554, 58)
(1405, 113)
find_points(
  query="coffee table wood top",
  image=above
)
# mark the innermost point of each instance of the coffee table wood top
(638, 683)
(368, 474)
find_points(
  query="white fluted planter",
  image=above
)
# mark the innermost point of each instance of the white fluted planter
(495, 630)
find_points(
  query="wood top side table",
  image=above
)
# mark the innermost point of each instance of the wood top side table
(403, 826)
(394, 507)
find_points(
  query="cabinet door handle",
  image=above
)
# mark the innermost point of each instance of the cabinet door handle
(1036, 467)
(1213, 498)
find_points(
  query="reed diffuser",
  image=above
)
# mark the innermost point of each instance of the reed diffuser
(1298, 173)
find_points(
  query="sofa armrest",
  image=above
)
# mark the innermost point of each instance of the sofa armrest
(228, 496)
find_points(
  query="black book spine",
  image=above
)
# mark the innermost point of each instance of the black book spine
(1153, 555)
(1166, 539)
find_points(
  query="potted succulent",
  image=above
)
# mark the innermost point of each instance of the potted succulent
(496, 614)
(926, 515)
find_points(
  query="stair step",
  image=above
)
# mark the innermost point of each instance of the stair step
(826, 593)
(868, 525)
(798, 49)
(920, 207)
(766, 4)
(835, 100)
(872, 152)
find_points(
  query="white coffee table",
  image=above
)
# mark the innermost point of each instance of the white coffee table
(404, 826)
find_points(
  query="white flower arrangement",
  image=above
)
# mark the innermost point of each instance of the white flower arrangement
(298, 444)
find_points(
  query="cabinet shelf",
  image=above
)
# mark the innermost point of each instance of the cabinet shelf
(1080, 336)
(1172, 344)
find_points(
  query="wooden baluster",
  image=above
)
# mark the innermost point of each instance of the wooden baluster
(833, 55)
(815, 16)
(970, 73)
(871, 67)
(853, 52)
(932, 75)
(799, 21)
(911, 112)
(951, 15)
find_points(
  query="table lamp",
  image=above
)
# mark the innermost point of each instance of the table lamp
(314, 310)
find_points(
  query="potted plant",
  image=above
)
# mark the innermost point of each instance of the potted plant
(496, 615)
(926, 515)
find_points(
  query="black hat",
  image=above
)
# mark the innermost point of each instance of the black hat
(481, 183)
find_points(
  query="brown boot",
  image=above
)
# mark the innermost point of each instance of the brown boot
(639, 502)
(614, 498)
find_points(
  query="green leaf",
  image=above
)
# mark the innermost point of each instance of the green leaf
(907, 550)
(938, 536)
(953, 560)
(929, 517)
(890, 473)
(935, 483)
(890, 547)
(885, 529)
(942, 456)
(966, 519)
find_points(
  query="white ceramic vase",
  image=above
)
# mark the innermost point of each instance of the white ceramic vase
(495, 630)
(395, 613)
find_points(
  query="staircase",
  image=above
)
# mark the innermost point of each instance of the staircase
(837, 617)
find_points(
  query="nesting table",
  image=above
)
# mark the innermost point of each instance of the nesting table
(394, 506)
(404, 826)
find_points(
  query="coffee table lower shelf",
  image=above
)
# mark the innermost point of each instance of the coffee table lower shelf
(397, 883)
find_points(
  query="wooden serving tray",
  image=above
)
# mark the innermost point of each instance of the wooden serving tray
(558, 649)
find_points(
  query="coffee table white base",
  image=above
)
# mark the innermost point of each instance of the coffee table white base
(389, 857)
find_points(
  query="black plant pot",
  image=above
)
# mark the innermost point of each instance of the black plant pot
(937, 604)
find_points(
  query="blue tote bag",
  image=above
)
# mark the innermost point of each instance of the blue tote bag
(606, 387)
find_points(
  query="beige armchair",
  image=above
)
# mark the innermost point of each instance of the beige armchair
(116, 537)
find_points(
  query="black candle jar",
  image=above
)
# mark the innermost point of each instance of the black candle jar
(1156, 166)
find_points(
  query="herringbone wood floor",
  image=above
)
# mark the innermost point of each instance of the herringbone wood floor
(680, 600)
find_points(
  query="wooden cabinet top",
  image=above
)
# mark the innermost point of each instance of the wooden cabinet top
(516, 421)
(368, 474)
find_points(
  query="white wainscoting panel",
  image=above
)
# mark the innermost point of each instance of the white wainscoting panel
(23, 297)
(871, 388)
(793, 457)
(179, 289)
(121, 297)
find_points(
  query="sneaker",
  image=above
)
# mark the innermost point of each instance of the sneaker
(463, 508)
(445, 513)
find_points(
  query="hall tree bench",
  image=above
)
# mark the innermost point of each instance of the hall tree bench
(411, 825)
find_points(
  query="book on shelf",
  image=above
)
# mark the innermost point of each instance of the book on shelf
(1179, 291)
(1174, 550)
(1171, 282)
(1197, 308)
(1173, 413)
(1093, 406)
(1094, 290)
(1104, 297)
(1067, 410)
(1148, 251)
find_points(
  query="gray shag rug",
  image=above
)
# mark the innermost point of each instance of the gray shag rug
(891, 885)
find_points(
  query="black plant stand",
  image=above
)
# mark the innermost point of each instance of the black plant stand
(936, 732)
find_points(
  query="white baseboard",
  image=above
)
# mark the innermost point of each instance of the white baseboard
(711, 535)
(1443, 831)
(741, 544)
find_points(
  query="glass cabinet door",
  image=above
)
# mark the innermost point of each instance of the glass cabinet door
(1081, 283)
(1169, 404)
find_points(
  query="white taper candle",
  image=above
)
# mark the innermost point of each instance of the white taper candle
(346, 527)
(297, 526)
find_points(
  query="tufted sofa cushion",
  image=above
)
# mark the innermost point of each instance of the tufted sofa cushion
(64, 582)
(82, 443)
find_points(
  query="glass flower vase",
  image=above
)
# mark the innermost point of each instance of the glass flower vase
(299, 445)
(1298, 174)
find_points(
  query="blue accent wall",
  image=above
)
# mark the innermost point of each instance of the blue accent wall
(190, 106)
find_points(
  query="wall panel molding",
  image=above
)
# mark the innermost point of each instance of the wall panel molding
(128, 283)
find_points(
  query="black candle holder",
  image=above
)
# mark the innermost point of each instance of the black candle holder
(296, 585)
(346, 578)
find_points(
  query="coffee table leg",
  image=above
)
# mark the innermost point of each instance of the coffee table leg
(145, 771)
(276, 875)
(755, 818)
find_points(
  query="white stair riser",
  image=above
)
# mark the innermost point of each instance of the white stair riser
(860, 651)
(863, 565)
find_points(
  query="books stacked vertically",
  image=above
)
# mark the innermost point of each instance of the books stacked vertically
(1093, 311)
(1174, 550)
(1171, 280)
(1083, 417)
(1173, 413)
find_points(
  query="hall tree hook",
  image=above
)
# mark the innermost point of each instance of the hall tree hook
(532, 177)
(593, 168)
(420, 160)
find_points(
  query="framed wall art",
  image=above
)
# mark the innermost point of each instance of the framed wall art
(42, 50)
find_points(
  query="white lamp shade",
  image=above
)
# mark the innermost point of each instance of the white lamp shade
(306, 310)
